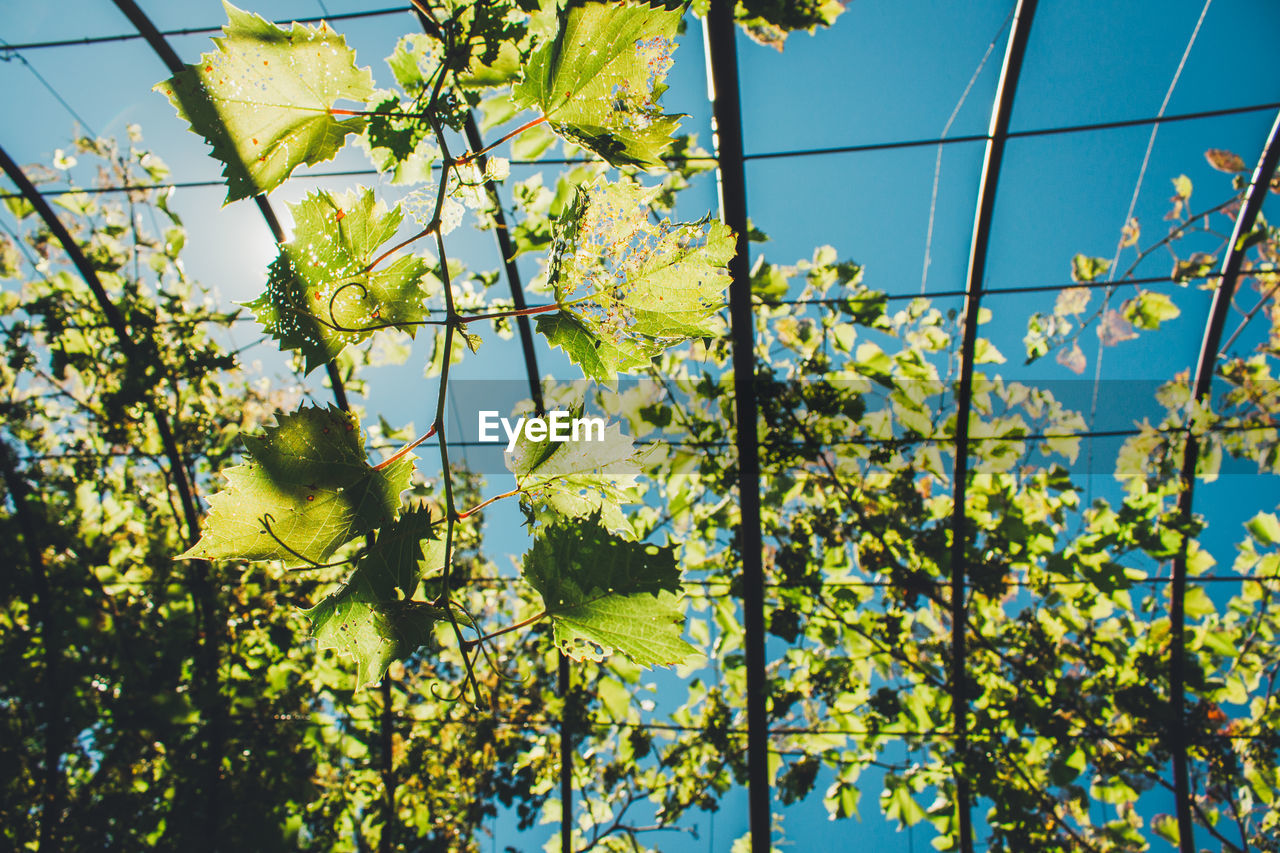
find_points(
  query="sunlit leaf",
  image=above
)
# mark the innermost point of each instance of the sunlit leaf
(306, 489)
(1072, 300)
(358, 624)
(1264, 527)
(598, 82)
(627, 287)
(1197, 265)
(369, 617)
(319, 298)
(593, 474)
(1114, 328)
(1149, 309)
(264, 99)
(1130, 233)
(1072, 359)
(1085, 268)
(605, 594)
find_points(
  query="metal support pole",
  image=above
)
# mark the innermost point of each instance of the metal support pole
(1219, 310)
(996, 138)
(722, 60)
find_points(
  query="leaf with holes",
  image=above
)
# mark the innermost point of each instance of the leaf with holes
(306, 489)
(264, 99)
(605, 594)
(373, 631)
(319, 298)
(592, 473)
(628, 287)
(370, 617)
(598, 82)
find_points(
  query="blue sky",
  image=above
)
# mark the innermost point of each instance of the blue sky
(887, 71)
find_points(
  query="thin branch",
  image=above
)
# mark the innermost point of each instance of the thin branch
(404, 451)
(480, 641)
(467, 158)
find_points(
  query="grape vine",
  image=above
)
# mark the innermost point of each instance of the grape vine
(626, 288)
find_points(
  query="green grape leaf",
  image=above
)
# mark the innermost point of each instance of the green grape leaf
(627, 287)
(768, 22)
(397, 559)
(598, 358)
(598, 82)
(319, 298)
(1149, 309)
(577, 478)
(264, 99)
(365, 618)
(1085, 268)
(605, 594)
(356, 622)
(306, 489)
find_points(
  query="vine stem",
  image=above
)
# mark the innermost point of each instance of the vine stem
(481, 506)
(519, 312)
(404, 451)
(337, 111)
(471, 644)
(451, 317)
(432, 227)
(467, 158)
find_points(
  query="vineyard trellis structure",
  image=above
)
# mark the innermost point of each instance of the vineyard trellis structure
(730, 159)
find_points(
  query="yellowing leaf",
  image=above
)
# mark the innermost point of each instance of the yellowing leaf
(1072, 359)
(1072, 300)
(1149, 309)
(985, 352)
(1130, 233)
(1224, 160)
(598, 82)
(264, 98)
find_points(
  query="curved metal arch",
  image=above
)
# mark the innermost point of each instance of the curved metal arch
(997, 136)
(1206, 364)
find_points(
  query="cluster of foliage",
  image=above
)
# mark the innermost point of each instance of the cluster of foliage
(152, 702)
(149, 702)
(1069, 601)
